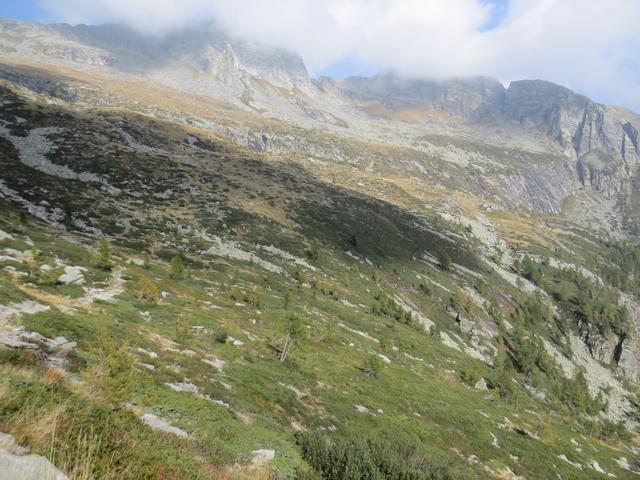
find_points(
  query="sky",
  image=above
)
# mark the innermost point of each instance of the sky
(591, 46)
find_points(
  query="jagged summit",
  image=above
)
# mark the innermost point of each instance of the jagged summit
(205, 49)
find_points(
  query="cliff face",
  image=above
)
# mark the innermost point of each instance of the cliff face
(602, 141)
(599, 142)
(554, 109)
(593, 134)
(576, 123)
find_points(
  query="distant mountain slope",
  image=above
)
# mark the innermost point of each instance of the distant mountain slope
(589, 149)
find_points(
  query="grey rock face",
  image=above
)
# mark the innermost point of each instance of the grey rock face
(481, 385)
(601, 140)
(543, 187)
(8, 443)
(540, 103)
(625, 352)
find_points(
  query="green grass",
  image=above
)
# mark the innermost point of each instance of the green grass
(431, 408)
(427, 403)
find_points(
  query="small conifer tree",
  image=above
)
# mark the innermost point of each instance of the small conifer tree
(372, 366)
(295, 335)
(147, 290)
(103, 257)
(146, 262)
(177, 267)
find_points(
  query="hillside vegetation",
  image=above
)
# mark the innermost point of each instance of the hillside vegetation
(342, 334)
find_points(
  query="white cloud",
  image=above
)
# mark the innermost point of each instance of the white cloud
(146, 16)
(592, 46)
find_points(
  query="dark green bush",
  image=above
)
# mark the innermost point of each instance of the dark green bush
(372, 459)
(386, 306)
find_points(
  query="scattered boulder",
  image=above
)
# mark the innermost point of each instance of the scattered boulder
(16, 463)
(624, 464)
(215, 362)
(11, 270)
(577, 445)
(8, 443)
(296, 427)
(481, 385)
(72, 276)
(51, 351)
(506, 474)
(183, 387)
(262, 457)
(21, 338)
(384, 358)
(564, 458)
(17, 255)
(299, 393)
(494, 440)
(157, 423)
(149, 353)
(222, 403)
(62, 344)
(596, 466)
(510, 427)
(28, 467)
(235, 342)
(363, 409)
(114, 287)
(14, 309)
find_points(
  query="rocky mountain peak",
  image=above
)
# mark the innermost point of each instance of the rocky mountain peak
(206, 48)
(532, 101)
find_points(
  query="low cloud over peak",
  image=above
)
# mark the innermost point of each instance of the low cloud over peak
(591, 46)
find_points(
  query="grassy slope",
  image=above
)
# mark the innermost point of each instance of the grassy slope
(423, 401)
(419, 396)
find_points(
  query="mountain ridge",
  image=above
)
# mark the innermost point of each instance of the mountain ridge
(599, 143)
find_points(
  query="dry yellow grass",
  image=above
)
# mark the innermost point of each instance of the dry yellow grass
(519, 230)
(45, 297)
(35, 426)
(54, 375)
